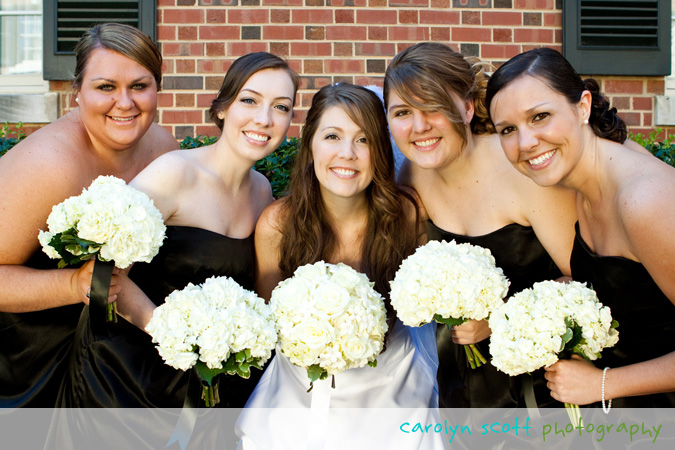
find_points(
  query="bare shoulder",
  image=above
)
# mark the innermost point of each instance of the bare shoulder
(262, 189)
(271, 220)
(158, 140)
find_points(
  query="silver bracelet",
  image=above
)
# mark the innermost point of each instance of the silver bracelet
(605, 409)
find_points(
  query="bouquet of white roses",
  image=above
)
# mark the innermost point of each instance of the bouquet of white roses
(449, 283)
(109, 219)
(536, 325)
(329, 319)
(216, 327)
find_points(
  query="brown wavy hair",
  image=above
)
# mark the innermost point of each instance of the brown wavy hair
(308, 234)
(425, 74)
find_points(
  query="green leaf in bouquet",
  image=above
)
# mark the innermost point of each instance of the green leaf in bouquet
(230, 366)
(566, 338)
(205, 373)
(449, 321)
(615, 324)
(372, 363)
(577, 338)
(241, 357)
(244, 370)
(255, 362)
(316, 372)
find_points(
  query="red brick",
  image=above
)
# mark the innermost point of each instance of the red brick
(219, 32)
(299, 115)
(191, 16)
(623, 86)
(344, 16)
(242, 48)
(440, 17)
(207, 130)
(205, 100)
(280, 32)
(311, 49)
(502, 35)
(498, 51)
(315, 33)
(342, 33)
(295, 64)
(185, 100)
(282, 2)
(647, 119)
(656, 86)
(440, 3)
(340, 3)
(557, 36)
(377, 3)
(377, 33)
(440, 34)
(350, 66)
(213, 83)
(280, 48)
(406, 16)
(166, 2)
(306, 100)
(209, 66)
(470, 18)
(502, 18)
(342, 49)
(553, 19)
(462, 34)
(164, 100)
(248, 16)
(539, 35)
(216, 16)
(166, 33)
(417, 3)
(215, 49)
(313, 66)
(185, 66)
(313, 16)
(167, 67)
(620, 102)
(187, 33)
(534, 4)
(370, 16)
(181, 117)
(631, 118)
(369, 81)
(409, 33)
(375, 49)
(280, 16)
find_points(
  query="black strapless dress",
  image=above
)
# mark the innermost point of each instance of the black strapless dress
(646, 316)
(34, 349)
(117, 365)
(524, 261)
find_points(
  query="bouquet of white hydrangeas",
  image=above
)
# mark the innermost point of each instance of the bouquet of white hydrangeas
(329, 319)
(449, 283)
(536, 325)
(109, 219)
(216, 327)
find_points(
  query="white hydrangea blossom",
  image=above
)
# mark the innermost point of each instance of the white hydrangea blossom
(452, 280)
(210, 322)
(528, 330)
(329, 315)
(122, 219)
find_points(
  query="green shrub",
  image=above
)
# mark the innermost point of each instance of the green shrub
(664, 150)
(276, 167)
(7, 142)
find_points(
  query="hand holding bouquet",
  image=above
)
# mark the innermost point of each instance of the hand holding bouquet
(109, 219)
(449, 283)
(329, 318)
(217, 327)
(538, 325)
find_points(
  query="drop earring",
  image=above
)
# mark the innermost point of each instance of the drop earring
(77, 99)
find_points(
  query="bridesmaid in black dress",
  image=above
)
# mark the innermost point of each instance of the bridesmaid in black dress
(560, 131)
(117, 75)
(435, 108)
(210, 199)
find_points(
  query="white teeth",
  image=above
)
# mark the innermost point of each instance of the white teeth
(122, 119)
(344, 172)
(542, 158)
(257, 137)
(427, 142)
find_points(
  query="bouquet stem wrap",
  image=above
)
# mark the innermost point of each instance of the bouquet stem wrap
(98, 299)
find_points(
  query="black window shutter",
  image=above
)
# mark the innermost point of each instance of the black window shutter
(617, 37)
(66, 20)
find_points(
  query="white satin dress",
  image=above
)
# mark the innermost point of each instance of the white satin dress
(368, 409)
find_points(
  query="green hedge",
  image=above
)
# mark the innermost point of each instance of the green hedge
(7, 142)
(276, 167)
(664, 150)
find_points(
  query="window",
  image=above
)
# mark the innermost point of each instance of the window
(21, 46)
(67, 20)
(617, 37)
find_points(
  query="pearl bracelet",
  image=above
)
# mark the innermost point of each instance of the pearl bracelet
(605, 409)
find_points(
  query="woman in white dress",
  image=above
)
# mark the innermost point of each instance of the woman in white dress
(344, 206)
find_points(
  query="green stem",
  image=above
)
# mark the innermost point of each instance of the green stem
(478, 355)
(574, 413)
(469, 356)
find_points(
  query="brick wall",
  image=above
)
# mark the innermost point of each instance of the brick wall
(328, 41)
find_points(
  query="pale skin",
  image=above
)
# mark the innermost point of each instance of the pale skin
(215, 187)
(60, 160)
(473, 190)
(624, 204)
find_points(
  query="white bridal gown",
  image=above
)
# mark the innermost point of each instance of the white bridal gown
(367, 409)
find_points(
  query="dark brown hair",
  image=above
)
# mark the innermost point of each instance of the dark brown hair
(123, 39)
(307, 233)
(238, 74)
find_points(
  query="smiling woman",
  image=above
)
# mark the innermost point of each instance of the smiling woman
(110, 133)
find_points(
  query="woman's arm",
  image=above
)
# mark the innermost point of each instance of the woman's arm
(267, 251)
